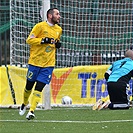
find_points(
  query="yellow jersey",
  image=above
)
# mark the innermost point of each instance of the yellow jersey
(43, 55)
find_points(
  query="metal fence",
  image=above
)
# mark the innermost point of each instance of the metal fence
(4, 32)
(80, 58)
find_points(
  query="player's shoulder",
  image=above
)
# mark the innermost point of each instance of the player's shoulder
(41, 23)
(126, 59)
(120, 61)
(58, 27)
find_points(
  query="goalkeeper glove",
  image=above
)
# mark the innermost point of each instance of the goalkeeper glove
(131, 47)
(48, 40)
(58, 44)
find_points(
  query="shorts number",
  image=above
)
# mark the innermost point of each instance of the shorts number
(29, 75)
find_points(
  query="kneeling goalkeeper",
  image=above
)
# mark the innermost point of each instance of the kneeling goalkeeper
(118, 77)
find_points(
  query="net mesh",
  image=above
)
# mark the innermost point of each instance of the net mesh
(24, 15)
(95, 32)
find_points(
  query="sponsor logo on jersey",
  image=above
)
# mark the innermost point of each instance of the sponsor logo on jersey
(49, 49)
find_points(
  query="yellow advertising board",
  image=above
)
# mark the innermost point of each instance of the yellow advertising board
(5, 92)
(81, 83)
(84, 84)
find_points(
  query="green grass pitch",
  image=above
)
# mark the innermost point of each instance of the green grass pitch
(68, 120)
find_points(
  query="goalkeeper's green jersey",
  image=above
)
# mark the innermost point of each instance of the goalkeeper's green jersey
(43, 55)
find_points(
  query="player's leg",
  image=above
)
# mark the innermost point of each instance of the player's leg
(27, 91)
(43, 78)
(35, 99)
(31, 77)
(118, 96)
(26, 94)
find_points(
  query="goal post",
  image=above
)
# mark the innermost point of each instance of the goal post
(45, 7)
(95, 33)
(46, 102)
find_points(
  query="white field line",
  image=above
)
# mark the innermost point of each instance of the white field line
(56, 121)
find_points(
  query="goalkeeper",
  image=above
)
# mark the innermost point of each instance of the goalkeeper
(44, 39)
(118, 77)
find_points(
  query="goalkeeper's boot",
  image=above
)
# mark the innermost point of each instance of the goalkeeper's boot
(104, 105)
(131, 103)
(97, 104)
(22, 109)
(30, 115)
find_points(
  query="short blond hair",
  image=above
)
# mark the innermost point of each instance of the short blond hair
(129, 53)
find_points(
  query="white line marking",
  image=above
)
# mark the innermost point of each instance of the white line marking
(54, 121)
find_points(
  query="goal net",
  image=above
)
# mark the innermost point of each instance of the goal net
(95, 33)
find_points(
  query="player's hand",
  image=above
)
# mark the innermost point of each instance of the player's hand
(58, 44)
(48, 40)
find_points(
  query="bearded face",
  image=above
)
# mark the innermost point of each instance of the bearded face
(55, 17)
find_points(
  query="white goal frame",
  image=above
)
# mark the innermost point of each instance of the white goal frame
(95, 33)
(46, 92)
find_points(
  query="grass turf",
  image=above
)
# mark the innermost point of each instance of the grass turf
(68, 120)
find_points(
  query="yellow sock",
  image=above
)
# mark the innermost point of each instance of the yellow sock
(35, 100)
(26, 96)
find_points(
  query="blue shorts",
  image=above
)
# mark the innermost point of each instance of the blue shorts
(41, 74)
